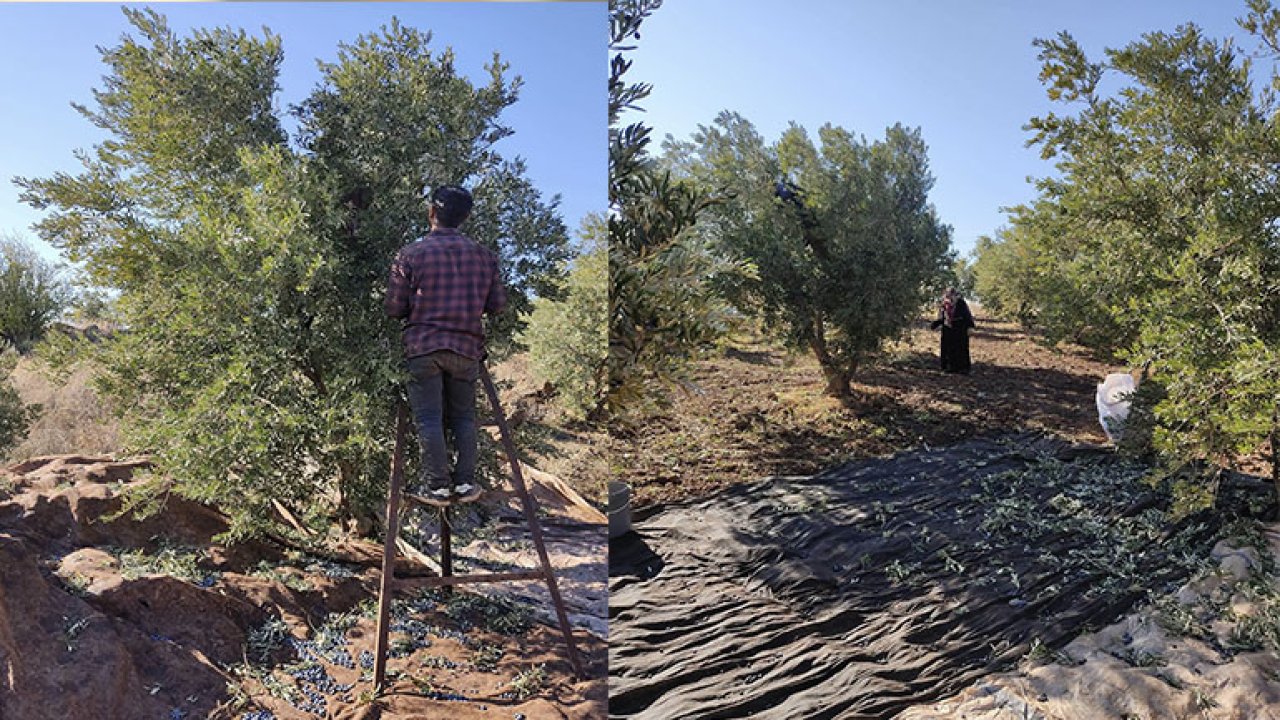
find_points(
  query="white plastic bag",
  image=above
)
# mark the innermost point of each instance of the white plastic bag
(1113, 403)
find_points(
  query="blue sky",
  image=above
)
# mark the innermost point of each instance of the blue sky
(48, 59)
(964, 72)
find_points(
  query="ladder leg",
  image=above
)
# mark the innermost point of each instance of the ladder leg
(389, 550)
(531, 515)
(446, 548)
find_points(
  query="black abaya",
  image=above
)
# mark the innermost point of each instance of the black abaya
(955, 339)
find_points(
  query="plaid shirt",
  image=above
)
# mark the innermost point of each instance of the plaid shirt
(440, 286)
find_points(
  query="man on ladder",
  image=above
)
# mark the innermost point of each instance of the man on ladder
(440, 286)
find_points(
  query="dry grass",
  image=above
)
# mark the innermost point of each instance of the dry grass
(576, 452)
(73, 419)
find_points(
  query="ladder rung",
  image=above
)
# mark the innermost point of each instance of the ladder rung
(490, 578)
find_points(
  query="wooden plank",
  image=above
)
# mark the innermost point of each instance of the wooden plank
(452, 580)
(416, 555)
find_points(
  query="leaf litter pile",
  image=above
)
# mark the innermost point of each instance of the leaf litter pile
(881, 584)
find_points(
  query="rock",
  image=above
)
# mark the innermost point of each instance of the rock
(1223, 630)
(1222, 549)
(64, 659)
(1251, 553)
(69, 501)
(162, 606)
(1244, 608)
(1187, 595)
(77, 640)
(1209, 585)
(1236, 566)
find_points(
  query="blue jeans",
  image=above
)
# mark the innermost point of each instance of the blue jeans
(442, 391)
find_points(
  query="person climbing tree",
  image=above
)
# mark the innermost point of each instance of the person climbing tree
(955, 320)
(441, 286)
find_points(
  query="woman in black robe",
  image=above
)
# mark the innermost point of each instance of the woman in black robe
(955, 320)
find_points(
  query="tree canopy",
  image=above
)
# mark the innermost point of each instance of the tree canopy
(15, 416)
(568, 339)
(257, 365)
(664, 308)
(845, 246)
(1157, 240)
(33, 292)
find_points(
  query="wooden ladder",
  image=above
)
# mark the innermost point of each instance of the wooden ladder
(447, 579)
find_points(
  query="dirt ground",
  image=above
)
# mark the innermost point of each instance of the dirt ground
(757, 410)
(112, 617)
(573, 450)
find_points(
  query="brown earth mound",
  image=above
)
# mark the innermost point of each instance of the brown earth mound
(114, 617)
(72, 652)
(881, 584)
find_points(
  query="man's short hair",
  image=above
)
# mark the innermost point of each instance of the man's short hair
(452, 204)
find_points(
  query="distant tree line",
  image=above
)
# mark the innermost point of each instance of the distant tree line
(33, 292)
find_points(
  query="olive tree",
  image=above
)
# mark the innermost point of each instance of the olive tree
(665, 306)
(1161, 224)
(841, 235)
(257, 365)
(33, 292)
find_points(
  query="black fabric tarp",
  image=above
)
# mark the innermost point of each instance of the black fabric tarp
(885, 583)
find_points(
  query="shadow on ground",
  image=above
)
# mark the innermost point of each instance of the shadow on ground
(758, 410)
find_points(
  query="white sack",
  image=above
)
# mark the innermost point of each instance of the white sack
(1113, 403)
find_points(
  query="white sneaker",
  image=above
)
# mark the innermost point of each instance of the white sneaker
(439, 497)
(467, 492)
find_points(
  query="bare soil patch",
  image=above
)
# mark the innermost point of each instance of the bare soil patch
(573, 450)
(111, 617)
(758, 410)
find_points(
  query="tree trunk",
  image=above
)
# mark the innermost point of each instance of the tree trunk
(1275, 455)
(838, 383)
(355, 520)
(838, 378)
